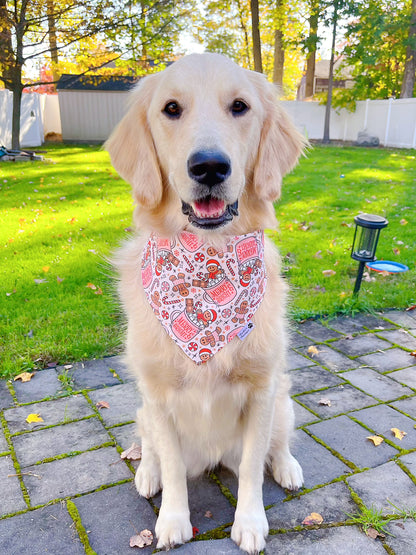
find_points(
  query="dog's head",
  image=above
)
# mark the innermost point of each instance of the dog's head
(201, 140)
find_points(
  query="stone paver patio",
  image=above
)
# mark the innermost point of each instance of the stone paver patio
(64, 488)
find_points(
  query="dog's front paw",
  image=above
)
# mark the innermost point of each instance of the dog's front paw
(287, 472)
(172, 528)
(147, 480)
(250, 530)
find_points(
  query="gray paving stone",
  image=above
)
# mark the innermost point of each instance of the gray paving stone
(401, 318)
(316, 331)
(205, 495)
(349, 439)
(117, 363)
(406, 376)
(44, 384)
(312, 378)
(332, 502)
(53, 412)
(391, 359)
(297, 340)
(3, 443)
(343, 398)
(399, 337)
(358, 323)
(124, 401)
(385, 483)
(46, 530)
(360, 345)
(337, 362)
(410, 462)
(125, 435)
(343, 540)
(402, 537)
(44, 444)
(318, 464)
(6, 400)
(11, 497)
(72, 475)
(126, 514)
(408, 406)
(295, 360)
(210, 547)
(272, 492)
(92, 373)
(382, 418)
(376, 384)
(303, 416)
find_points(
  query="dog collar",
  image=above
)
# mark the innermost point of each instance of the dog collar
(204, 298)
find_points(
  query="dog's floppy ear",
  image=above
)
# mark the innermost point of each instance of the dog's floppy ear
(280, 143)
(132, 150)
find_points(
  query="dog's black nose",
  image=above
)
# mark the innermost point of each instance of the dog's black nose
(209, 167)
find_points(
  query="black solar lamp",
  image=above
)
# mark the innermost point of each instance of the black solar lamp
(367, 233)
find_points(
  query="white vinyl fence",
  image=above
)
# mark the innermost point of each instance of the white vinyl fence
(89, 116)
(392, 121)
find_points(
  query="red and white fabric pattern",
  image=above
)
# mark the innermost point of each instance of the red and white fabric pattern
(204, 298)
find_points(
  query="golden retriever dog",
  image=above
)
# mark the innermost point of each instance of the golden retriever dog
(204, 145)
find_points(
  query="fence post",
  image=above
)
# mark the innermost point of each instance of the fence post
(386, 135)
(367, 103)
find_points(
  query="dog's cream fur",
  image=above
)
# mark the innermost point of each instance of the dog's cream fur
(235, 409)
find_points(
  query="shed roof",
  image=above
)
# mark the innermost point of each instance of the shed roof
(96, 82)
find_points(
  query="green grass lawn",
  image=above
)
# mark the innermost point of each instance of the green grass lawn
(62, 217)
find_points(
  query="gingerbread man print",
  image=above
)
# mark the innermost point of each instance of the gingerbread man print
(240, 313)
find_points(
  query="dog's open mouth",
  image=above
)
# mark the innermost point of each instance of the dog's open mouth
(209, 212)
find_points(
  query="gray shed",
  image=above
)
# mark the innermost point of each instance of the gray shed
(91, 106)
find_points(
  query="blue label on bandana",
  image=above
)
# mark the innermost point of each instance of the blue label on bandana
(242, 334)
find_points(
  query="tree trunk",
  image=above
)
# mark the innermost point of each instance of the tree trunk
(255, 31)
(17, 102)
(279, 58)
(326, 138)
(6, 50)
(408, 84)
(245, 32)
(53, 43)
(311, 46)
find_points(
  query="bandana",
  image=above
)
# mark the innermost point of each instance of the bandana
(204, 298)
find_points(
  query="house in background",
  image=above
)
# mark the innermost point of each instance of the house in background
(343, 78)
(91, 106)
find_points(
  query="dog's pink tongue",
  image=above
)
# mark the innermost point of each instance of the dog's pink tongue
(209, 208)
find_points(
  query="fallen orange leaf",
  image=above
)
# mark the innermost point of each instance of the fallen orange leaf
(312, 350)
(313, 518)
(34, 418)
(25, 376)
(91, 286)
(45, 269)
(398, 434)
(102, 405)
(375, 439)
(328, 273)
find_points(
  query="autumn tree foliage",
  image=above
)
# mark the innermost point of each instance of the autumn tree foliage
(56, 30)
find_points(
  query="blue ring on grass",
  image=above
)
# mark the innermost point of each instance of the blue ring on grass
(387, 266)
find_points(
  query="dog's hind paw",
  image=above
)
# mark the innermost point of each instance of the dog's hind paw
(287, 472)
(172, 529)
(250, 530)
(147, 481)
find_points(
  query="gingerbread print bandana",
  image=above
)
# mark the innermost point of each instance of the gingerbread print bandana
(204, 298)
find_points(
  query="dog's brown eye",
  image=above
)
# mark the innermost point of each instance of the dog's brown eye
(172, 109)
(239, 107)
